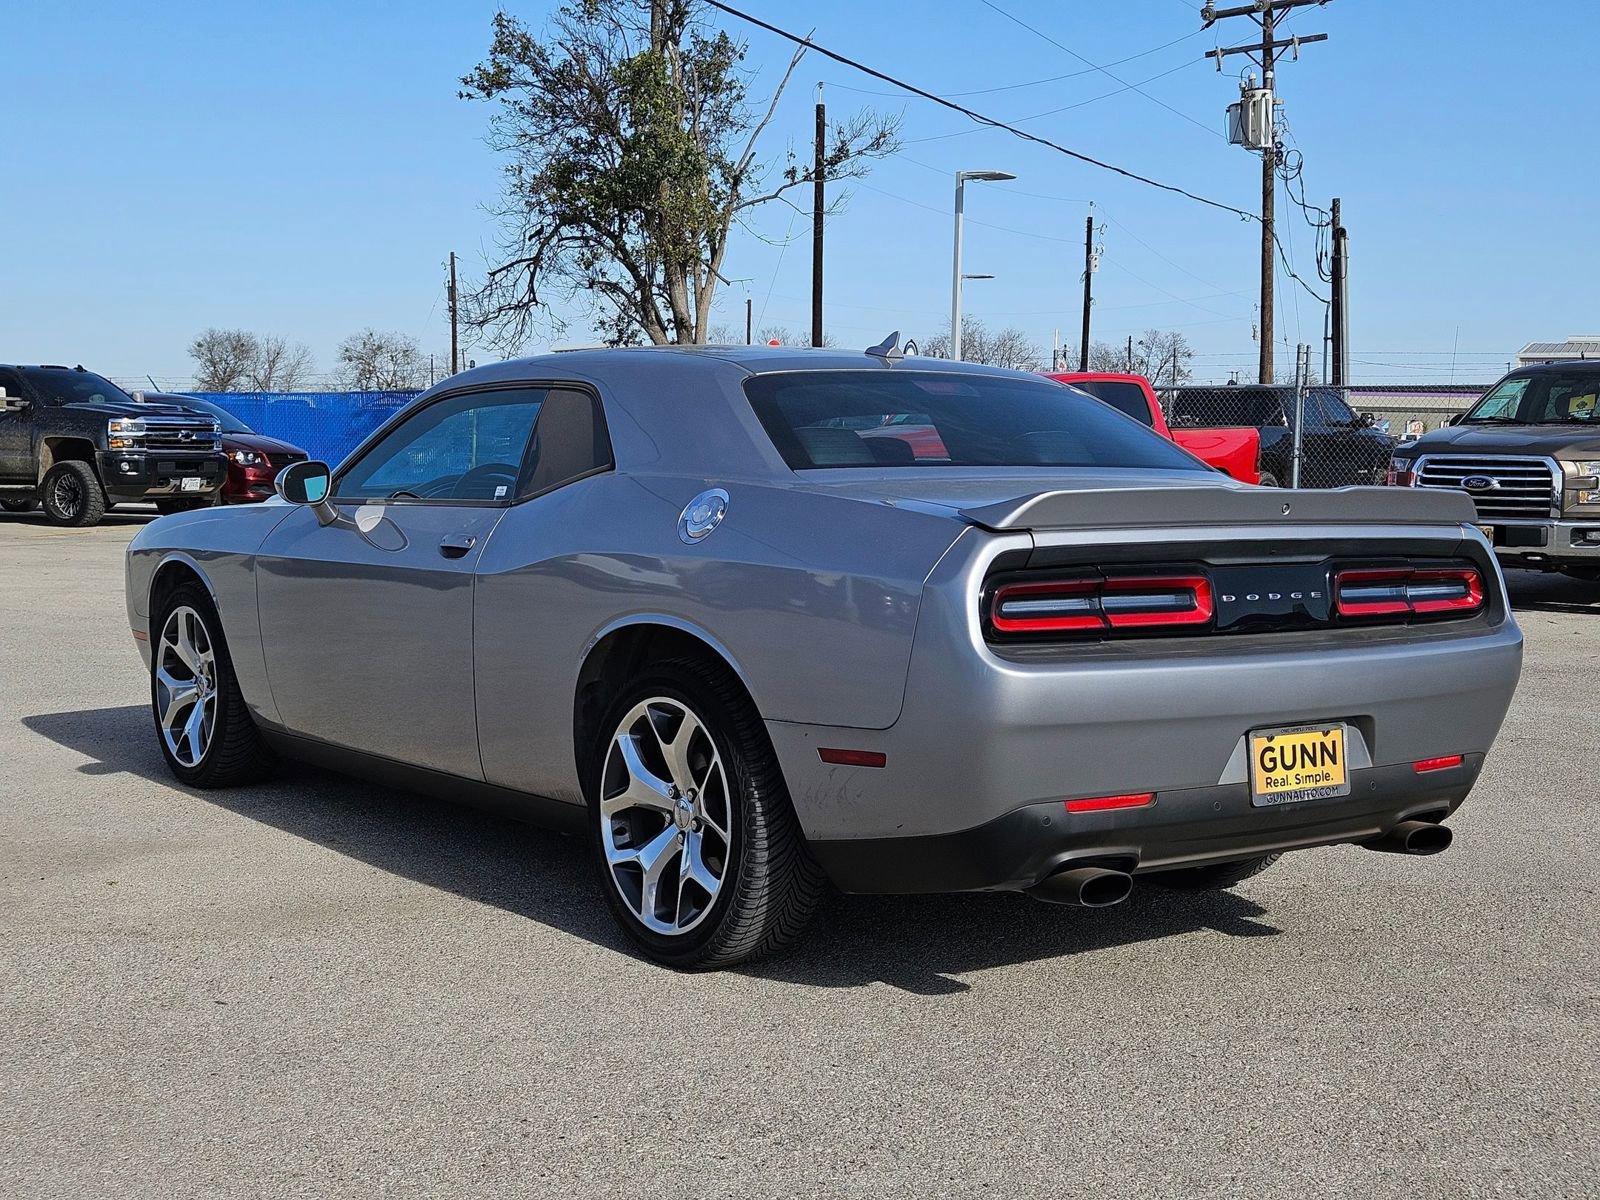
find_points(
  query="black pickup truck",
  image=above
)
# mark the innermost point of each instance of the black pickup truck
(1337, 446)
(76, 444)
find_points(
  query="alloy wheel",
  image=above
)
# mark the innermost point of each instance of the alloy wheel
(666, 817)
(186, 686)
(66, 495)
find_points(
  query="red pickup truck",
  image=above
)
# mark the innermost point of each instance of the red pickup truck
(1235, 451)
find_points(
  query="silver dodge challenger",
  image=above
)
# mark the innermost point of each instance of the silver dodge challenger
(755, 620)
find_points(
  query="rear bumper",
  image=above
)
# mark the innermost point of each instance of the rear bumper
(1182, 828)
(143, 476)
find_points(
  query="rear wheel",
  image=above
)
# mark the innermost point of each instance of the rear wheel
(71, 495)
(206, 733)
(700, 854)
(18, 506)
(1217, 877)
(1268, 479)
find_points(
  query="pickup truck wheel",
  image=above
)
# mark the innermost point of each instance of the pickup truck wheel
(1268, 479)
(1215, 878)
(205, 730)
(18, 506)
(700, 854)
(72, 495)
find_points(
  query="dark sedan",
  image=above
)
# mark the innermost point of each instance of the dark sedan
(254, 459)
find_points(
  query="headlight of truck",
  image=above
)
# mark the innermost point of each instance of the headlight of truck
(1583, 480)
(247, 458)
(123, 433)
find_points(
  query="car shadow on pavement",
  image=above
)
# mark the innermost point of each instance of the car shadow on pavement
(918, 943)
(1534, 591)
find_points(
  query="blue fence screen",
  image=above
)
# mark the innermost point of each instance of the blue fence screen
(327, 425)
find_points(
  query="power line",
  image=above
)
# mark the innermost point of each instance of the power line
(847, 61)
(1011, 87)
(1126, 85)
(971, 114)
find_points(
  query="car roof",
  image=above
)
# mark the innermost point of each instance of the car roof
(1588, 365)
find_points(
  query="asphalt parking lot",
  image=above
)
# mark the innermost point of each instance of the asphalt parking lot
(320, 987)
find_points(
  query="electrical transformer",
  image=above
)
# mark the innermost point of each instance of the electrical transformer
(1250, 119)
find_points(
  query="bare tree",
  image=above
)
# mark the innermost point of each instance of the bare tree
(223, 359)
(279, 365)
(374, 361)
(1008, 348)
(1163, 356)
(632, 150)
(784, 336)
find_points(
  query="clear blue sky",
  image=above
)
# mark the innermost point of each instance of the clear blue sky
(303, 169)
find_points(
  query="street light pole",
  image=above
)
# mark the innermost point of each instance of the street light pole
(955, 266)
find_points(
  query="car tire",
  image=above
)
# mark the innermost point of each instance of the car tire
(72, 496)
(766, 884)
(1268, 479)
(1217, 877)
(18, 506)
(187, 644)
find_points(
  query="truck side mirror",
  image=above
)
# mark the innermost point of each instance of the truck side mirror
(10, 403)
(308, 483)
(1368, 420)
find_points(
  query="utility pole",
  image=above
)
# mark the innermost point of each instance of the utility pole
(1340, 302)
(817, 204)
(1130, 354)
(749, 313)
(455, 337)
(1088, 290)
(1256, 129)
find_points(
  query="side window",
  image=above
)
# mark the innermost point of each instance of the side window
(1330, 408)
(466, 447)
(569, 441)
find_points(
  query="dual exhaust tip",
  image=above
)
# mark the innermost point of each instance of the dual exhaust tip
(1101, 887)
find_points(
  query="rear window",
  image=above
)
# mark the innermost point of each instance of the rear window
(910, 418)
(1124, 397)
(1259, 407)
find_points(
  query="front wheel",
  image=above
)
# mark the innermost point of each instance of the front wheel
(207, 734)
(700, 854)
(1217, 877)
(72, 495)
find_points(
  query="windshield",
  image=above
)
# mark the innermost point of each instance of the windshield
(62, 385)
(913, 418)
(1548, 398)
(1124, 397)
(230, 423)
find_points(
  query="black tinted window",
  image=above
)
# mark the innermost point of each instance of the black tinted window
(1257, 407)
(58, 385)
(1124, 397)
(569, 441)
(907, 417)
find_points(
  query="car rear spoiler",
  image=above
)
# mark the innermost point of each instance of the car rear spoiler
(1182, 507)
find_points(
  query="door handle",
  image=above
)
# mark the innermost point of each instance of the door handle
(456, 545)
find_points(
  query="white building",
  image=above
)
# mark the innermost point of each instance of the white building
(1578, 346)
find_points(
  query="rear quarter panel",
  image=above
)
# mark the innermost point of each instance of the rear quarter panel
(811, 598)
(1235, 451)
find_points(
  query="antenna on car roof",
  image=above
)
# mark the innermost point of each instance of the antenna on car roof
(888, 349)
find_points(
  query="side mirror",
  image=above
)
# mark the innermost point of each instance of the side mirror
(10, 403)
(308, 483)
(1453, 418)
(1368, 420)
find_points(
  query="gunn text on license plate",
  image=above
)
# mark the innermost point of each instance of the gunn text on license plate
(1306, 762)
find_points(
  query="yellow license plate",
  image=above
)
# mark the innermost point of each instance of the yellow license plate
(1304, 763)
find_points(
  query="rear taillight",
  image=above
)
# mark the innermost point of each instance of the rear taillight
(1407, 592)
(1101, 604)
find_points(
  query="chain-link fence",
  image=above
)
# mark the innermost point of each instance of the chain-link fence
(1310, 437)
(327, 425)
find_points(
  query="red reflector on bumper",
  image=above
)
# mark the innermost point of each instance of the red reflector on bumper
(1101, 803)
(852, 758)
(1436, 764)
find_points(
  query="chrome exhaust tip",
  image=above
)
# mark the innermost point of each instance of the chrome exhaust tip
(1088, 887)
(1414, 837)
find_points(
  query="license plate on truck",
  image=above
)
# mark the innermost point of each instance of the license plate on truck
(191, 484)
(1306, 762)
